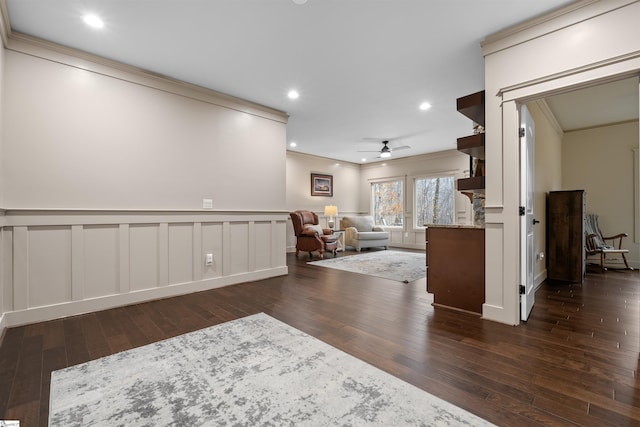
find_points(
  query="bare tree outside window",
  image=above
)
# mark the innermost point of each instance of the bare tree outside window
(387, 198)
(435, 200)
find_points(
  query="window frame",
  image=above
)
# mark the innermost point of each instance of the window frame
(445, 174)
(403, 181)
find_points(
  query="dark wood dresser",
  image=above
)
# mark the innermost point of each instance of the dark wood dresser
(566, 213)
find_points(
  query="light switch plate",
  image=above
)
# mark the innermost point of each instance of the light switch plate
(207, 203)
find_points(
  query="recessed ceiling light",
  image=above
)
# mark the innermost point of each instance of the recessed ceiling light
(93, 21)
(293, 144)
(425, 106)
(299, 1)
(364, 160)
(293, 94)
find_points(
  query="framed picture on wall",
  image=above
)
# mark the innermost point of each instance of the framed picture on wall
(321, 185)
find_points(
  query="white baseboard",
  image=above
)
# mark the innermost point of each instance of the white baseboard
(56, 311)
(498, 314)
(3, 327)
(420, 247)
(537, 281)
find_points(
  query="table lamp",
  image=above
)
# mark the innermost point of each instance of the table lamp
(331, 212)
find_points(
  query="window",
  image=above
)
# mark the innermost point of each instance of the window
(435, 200)
(387, 201)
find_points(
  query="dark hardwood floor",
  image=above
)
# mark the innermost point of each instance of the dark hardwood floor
(575, 362)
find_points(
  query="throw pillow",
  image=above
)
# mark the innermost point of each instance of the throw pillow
(316, 228)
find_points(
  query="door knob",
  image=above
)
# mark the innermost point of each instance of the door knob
(535, 221)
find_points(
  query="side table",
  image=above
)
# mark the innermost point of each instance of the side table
(340, 234)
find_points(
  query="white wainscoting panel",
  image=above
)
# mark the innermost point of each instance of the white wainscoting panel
(143, 241)
(101, 260)
(49, 265)
(7, 270)
(212, 244)
(239, 245)
(180, 253)
(262, 245)
(278, 241)
(62, 263)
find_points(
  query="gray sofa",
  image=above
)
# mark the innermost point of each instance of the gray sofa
(361, 232)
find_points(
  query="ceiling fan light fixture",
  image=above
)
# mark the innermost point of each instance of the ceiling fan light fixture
(385, 154)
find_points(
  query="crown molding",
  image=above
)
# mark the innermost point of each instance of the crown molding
(54, 52)
(548, 114)
(43, 49)
(548, 23)
(316, 158)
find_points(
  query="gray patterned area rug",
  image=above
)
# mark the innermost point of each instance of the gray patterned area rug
(394, 265)
(254, 371)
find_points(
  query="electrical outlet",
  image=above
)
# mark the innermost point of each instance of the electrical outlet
(208, 259)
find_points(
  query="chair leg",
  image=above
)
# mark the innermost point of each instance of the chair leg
(602, 262)
(297, 252)
(624, 258)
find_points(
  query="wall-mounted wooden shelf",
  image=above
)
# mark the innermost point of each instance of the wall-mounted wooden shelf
(474, 184)
(472, 145)
(472, 106)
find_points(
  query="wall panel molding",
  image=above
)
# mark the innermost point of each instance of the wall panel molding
(94, 260)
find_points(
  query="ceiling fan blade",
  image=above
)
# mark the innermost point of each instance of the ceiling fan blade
(368, 151)
(402, 147)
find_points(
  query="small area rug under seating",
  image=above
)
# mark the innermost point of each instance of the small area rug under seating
(394, 265)
(247, 372)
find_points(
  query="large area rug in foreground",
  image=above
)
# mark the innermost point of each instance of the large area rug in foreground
(395, 265)
(247, 372)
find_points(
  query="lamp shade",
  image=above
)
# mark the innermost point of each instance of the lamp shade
(331, 210)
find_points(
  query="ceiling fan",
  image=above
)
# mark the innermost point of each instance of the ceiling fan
(386, 150)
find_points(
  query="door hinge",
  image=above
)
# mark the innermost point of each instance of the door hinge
(522, 132)
(522, 289)
(521, 211)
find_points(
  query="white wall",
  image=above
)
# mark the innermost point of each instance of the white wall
(105, 168)
(2, 156)
(548, 176)
(3, 268)
(584, 43)
(346, 179)
(80, 139)
(600, 161)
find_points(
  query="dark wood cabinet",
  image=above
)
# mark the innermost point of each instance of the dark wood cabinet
(455, 266)
(565, 235)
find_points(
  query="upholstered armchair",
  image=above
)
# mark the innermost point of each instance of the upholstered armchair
(361, 232)
(310, 236)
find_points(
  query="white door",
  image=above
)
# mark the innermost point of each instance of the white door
(527, 221)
